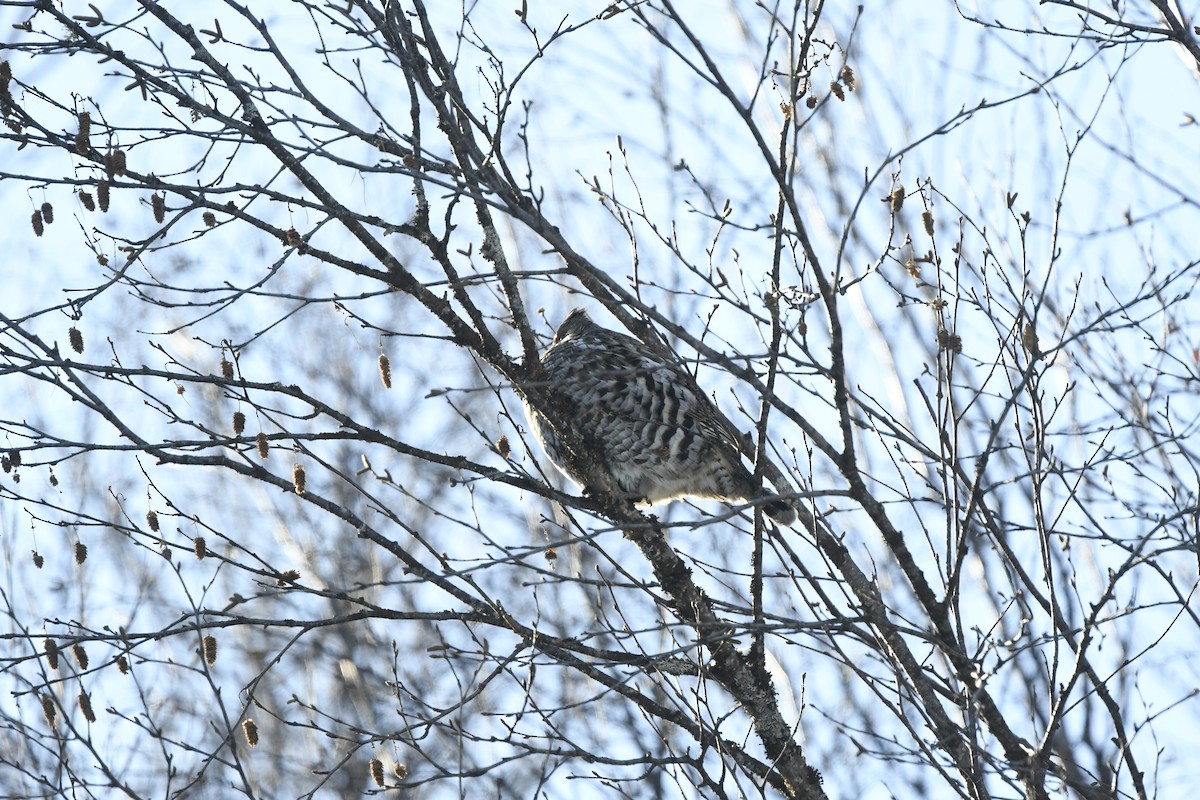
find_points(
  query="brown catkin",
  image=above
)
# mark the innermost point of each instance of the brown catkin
(239, 423)
(913, 268)
(377, 772)
(210, 219)
(896, 199)
(48, 213)
(15, 457)
(88, 201)
(927, 221)
(251, 731)
(36, 221)
(503, 447)
(85, 705)
(80, 655)
(123, 665)
(5, 90)
(102, 195)
(226, 369)
(48, 709)
(80, 552)
(76, 337)
(298, 479)
(52, 651)
(38, 560)
(385, 370)
(152, 520)
(293, 238)
(119, 162)
(949, 341)
(200, 548)
(85, 131)
(260, 444)
(1029, 339)
(401, 770)
(6, 98)
(210, 650)
(159, 204)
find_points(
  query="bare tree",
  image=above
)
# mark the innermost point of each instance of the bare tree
(273, 522)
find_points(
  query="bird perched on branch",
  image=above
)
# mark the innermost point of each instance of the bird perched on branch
(637, 425)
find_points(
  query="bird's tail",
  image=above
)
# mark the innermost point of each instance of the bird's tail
(778, 509)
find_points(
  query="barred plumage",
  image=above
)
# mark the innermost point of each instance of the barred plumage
(652, 434)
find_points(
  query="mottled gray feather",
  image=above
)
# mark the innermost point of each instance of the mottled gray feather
(657, 435)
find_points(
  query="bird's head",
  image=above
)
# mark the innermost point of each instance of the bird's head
(576, 323)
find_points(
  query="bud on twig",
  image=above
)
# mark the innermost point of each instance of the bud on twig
(291, 576)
